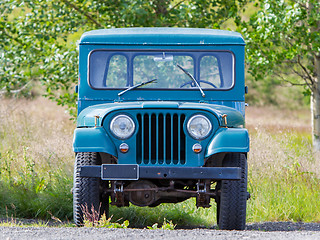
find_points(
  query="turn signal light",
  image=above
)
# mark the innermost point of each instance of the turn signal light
(197, 148)
(124, 147)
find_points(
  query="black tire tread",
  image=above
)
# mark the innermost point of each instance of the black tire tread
(233, 198)
(86, 191)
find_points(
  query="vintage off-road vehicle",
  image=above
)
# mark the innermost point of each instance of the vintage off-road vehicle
(161, 117)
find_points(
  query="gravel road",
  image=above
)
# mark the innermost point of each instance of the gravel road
(268, 230)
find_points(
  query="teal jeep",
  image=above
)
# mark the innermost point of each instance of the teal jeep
(161, 117)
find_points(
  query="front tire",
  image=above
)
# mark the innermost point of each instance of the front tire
(232, 196)
(88, 197)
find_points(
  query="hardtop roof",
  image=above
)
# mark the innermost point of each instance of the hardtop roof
(161, 36)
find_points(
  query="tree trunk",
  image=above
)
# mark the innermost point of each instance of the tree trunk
(315, 106)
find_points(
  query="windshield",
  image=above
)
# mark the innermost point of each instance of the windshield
(123, 69)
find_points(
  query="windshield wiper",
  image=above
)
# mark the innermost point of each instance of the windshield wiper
(186, 72)
(137, 86)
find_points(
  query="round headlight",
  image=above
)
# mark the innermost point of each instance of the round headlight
(122, 126)
(199, 127)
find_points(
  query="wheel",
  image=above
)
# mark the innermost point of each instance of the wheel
(88, 197)
(218, 190)
(232, 196)
(192, 84)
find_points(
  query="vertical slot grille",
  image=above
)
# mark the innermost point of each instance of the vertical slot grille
(161, 139)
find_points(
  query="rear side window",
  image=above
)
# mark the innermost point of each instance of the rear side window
(107, 70)
(213, 70)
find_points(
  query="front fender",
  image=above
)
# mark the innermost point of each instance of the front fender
(228, 140)
(93, 140)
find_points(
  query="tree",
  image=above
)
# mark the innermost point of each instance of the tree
(283, 40)
(35, 35)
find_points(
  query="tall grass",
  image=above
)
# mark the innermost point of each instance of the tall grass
(35, 160)
(36, 163)
(284, 178)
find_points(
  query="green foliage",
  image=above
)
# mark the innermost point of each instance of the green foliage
(36, 183)
(181, 214)
(30, 193)
(35, 42)
(167, 225)
(273, 92)
(34, 174)
(103, 222)
(283, 181)
(291, 195)
(282, 40)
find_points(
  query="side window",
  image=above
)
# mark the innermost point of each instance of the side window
(210, 72)
(97, 68)
(107, 70)
(117, 72)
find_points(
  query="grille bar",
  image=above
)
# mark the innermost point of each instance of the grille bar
(164, 139)
(161, 139)
(142, 140)
(171, 145)
(150, 144)
(179, 157)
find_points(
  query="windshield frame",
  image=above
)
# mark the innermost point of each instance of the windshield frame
(186, 52)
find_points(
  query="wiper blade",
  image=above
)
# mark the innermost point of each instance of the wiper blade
(186, 72)
(137, 86)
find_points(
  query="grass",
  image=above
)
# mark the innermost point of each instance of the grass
(284, 179)
(182, 214)
(35, 160)
(285, 183)
(36, 167)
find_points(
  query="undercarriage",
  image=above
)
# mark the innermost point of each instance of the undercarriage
(154, 192)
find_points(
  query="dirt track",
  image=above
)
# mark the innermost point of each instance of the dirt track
(269, 230)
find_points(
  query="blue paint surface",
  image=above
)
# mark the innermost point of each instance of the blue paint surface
(161, 36)
(94, 134)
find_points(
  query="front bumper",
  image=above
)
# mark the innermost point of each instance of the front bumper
(135, 172)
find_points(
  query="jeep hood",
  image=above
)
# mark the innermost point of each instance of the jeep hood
(87, 117)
